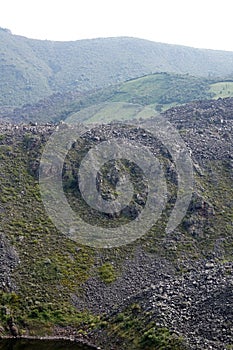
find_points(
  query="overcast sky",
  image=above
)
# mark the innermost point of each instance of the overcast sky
(197, 23)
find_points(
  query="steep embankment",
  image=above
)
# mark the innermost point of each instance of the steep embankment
(162, 291)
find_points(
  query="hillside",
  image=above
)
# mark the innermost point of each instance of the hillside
(162, 291)
(133, 99)
(33, 69)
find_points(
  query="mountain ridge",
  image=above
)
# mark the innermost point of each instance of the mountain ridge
(31, 69)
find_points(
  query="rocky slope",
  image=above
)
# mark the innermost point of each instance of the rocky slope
(160, 292)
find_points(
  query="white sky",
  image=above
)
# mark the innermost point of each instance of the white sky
(197, 23)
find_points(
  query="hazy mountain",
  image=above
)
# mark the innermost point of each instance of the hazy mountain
(32, 69)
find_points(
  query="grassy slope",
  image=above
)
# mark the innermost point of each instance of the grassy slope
(157, 92)
(222, 89)
(51, 266)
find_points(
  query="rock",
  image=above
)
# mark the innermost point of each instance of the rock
(13, 328)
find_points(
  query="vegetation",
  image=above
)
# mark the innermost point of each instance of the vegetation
(38, 317)
(222, 89)
(107, 273)
(164, 89)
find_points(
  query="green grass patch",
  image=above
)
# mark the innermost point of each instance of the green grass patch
(222, 89)
(107, 273)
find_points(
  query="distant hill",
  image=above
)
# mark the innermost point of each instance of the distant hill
(157, 92)
(33, 69)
